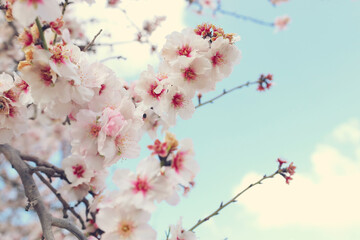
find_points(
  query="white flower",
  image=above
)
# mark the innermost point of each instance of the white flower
(85, 131)
(76, 170)
(74, 193)
(125, 223)
(184, 164)
(150, 88)
(180, 47)
(178, 233)
(12, 112)
(120, 134)
(176, 102)
(223, 57)
(26, 11)
(145, 186)
(193, 76)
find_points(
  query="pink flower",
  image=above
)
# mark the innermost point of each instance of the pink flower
(159, 148)
(265, 82)
(291, 169)
(288, 178)
(177, 232)
(125, 223)
(281, 162)
(282, 22)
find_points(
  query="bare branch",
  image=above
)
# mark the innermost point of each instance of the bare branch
(66, 206)
(226, 92)
(114, 57)
(38, 162)
(92, 41)
(31, 190)
(66, 224)
(222, 206)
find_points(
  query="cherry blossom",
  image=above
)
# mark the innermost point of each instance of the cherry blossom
(282, 22)
(146, 185)
(126, 223)
(178, 233)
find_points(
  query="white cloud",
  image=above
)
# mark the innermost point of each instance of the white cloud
(348, 132)
(327, 197)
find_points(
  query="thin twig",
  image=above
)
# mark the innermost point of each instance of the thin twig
(38, 162)
(216, 212)
(226, 92)
(130, 21)
(110, 58)
(246, 18)
(92, 41)
(66, 206)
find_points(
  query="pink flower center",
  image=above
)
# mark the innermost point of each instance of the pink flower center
(177, 100)
(10, 94)
(46, 76)
(189, 74)
(102, 88)
(23, 86)
(217, 59)
(185, 50)
(178, 161)
(152, 91)
(94, 130)
(141, 185)
(26, 38)
(57, 56)
(78, 170)
(161, 76)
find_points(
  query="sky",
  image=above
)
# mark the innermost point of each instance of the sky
(310, 117)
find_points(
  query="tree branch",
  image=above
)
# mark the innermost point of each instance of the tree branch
(34, 198)
(222, 206)
(31, 190)
(66, 206)
(92, 41)
(63, 223)
(40, 163)
(226, 92)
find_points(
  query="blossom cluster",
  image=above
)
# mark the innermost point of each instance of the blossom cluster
(286, 172)
(104, 118)
(192, 62)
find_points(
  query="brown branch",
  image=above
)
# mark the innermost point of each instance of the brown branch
(66, 206)
(114, 57)
(129, 20)
(226, 92)
(31, 190)
(222, 206)
(92, 41)
(39, 163)
(63, 223)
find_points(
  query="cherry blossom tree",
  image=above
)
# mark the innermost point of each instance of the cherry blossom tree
(54, 100)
